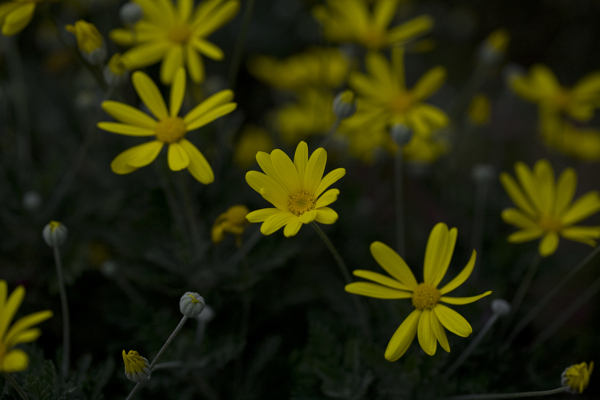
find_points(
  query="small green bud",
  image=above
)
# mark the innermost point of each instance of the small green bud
(191, 304)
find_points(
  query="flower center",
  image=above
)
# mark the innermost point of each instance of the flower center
(550, 223)
(401, 103)
(300, 203)
(425, 296)
(562, 99)
(179, 34)
(170, 130)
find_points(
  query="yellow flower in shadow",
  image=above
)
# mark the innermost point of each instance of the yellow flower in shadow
(231, 221)
(16, 15)
(576, 378)
(580, 142)
(546, 208)
(252, 139)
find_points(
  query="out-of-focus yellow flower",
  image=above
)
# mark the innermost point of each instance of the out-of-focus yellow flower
(542, 87)
(169, 129)
(115, 72)
(498, 40)
(16, 15)
(311, 115)
(351, 21)
(579, 142)
(175, 35)
(384, 100)
(479, 110)
(425, 150)
(545, 208)
(315, 67)
(297, 190)
(88, 37)
(576, 378)
(252, 140)
(14, 360)
(231, 221)
(430, 317)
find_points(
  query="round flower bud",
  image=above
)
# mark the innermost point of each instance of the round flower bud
(483, 173)
(137, 368)
(55, 234)
(344, 104)
(501, 307)
(576, 377)
(130, 13)
(401, 134)
(191, 304)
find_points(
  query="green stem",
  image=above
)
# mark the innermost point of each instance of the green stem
(15, 385)
(399, 201)
(239, 44)
(507, 395)
(525, 283)
(332, 130)
(190, 215)
(479, 223)
(65, 314)
(549, 296)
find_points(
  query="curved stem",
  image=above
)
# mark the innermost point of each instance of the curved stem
(65, 314)
(525, 283)
(507, 395)
(15, 385)
(169, 340)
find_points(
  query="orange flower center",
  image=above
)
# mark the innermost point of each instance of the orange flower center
(179, 34)
(550, 223)
(170, 130)
(300, 203)
(401, 103)
(425, 296)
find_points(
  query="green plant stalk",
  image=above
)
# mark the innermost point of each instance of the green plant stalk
(399, 201)
(332, 130)
(65, 314)
(525, 283)
(479, 223)
(190, 215)
(493, 396)
(239, 44)
(15, 385)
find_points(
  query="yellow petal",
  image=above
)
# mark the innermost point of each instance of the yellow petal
(214, 101)
(329, 180)
(172, 61)
(145, 54)
(462, 276)
(393, 264)
(18, 19)
(177, 92)
(429, 83)
(195, 65)
(530, 185)
(10, 308)
(150, 95)
(129, 115)
(565, 190)
(198, 166)
(376, 291)
(545, 178)
(211, 116)
(14, 361)
(384, 12)
(276, 222)
(292, 228)
(207, 48)
(314, 170)
(452, 320)
(548, 244)
(525, 235)
(463, 300)
(217, 18)
(177, 157)
(381, 279)
(410, 30)
(435, 252)
(451, 242)
(308, 217)
(583, 207)
(516, 194)
(25, 336)
(301, 160)
(184, 9)
(262, 215)
(439, 332)
(326, 215)
(26, 323)
(426, 336)
(328, 197)
(287, 170)
(403, 337)
(515, 217)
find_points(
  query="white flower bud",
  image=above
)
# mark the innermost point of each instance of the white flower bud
(137, 368)
(500, 307)
(130, 13)
(401, 134)
(483, 173)
(344, 104)
(191, 304)
(55, 234)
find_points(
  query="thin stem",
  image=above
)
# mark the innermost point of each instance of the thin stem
(331, 133)
(239, 44)
(525, 283)
(493, 396)
(15, 385)
(134, 390)
(65, 314)
(467, 352)
(346, 274)
(549, 296)
(190, 215)
(567, 313)
(479, 222)
(399, 201)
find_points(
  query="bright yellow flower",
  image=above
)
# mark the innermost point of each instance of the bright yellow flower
(175, 35)
(231, 221)
(545, 208)
(88, 37)
(542, 87)
(16, 15)
(252, 140)
(576, 378)
(429, 317)
(169, 129)
(296, 189)
(351, 21)
(384, 100)
(579, 142)
(14, 360)
(314, 67)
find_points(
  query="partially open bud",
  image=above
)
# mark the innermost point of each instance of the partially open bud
(344, 104)
(577, 377)
(401, 134)
(137, 368)
(55, 234)
(191, 304)
(115, 72)
(130, 13)
(232, 221)
(90, 41)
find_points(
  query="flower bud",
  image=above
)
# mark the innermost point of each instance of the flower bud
(232, 221)
(401, 134)
(115, 72)
(494, 47)
(483, 173)
(576, 377)
(130, 13)
(500, 307)
(55, 234)
(90, 41)
(191, 304)
(137, 368)
(344, 104)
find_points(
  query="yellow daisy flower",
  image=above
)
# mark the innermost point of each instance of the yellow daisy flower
(430, 317)
(16, 15)
(576, 378)
(545, 208)
(176, 35)
(542, 87)
(581, 142)
(383, 99)
(231, 221)
(351, 21)
(296, 189)
(14, 360)
(169, 129)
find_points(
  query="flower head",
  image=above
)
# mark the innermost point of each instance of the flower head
(168, 128)
(580, 142)
(191, 304)
(89, 40)
(231, 221)
(577, 377)
(296, 189)
(16, 15)
(311, 114)
(55, 234)
(176, 35)
(545, 209)
(429, 317)
(137, 368)
(351, 21)
(384, 100)
(252, 139)
(14, 360)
